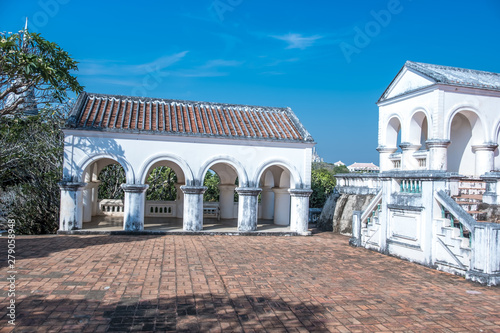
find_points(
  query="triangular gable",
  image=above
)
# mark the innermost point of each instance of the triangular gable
(406, 81)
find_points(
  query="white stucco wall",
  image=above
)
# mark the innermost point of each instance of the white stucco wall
(138, 152)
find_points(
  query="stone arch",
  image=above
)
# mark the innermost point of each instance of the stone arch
(479, 131)
(228, 160)
(465, 129)
(295, 178)
(418, 128)
(496, 139)
(177, 164)
(393, 131)
(86, 162)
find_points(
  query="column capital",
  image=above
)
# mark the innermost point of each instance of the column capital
(193, 189)
(71, 186)
(487, 146)
(409, 146)
(248, 191)
(437, 143)
(295, 192)
(384, 149)
(266, 188)
(135, 188)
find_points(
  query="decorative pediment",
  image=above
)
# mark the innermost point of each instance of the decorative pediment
(406, 81)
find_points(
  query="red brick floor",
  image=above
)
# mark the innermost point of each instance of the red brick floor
(233, 284)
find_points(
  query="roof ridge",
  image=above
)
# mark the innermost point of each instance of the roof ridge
(181, 101)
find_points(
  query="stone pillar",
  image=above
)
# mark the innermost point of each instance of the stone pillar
(485, 157)
(438, 154)
(281, 206)
(179, 201)
(226, 201)
(355, 240)
(384, 154)
(88, 200)
(408, 162)
(71, 209)
(299, 216)
(247, 208)
(135, 199)
(193, 207)
(267, 203)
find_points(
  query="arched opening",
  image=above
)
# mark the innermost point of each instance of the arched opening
(419, 129)
(164, 200)
(274, 208)
(103, 203)
(220, 200)
(497, 151)
(393, 133)
(466, 130)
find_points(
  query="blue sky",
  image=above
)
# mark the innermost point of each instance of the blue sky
(308, 55)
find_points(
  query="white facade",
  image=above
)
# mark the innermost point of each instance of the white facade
(438, 135)
(278, 166)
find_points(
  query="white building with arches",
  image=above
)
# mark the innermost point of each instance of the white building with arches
(438, 136)
(265, 151)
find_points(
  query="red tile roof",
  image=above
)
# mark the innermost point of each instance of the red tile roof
(175, 117)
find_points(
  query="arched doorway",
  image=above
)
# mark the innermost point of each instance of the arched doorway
(275, 182)
(103, 197)
(466, 131)
(164, 200)
(220, 200)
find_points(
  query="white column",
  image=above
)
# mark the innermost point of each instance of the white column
(193, 207)
(267, 203)
(95, 197)
(135, 199)
(281, 206)
(408, 162)
(485, 157)
(438, 154)
(299, 217)
(226, 201)
(88, 200)
(179, 201)
(71, 209)
(248, 199)
(384, 154)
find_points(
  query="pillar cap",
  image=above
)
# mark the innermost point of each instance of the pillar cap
(296, 192)
(134, 188)
(487, 146)
(409, 146)
(248, 190)
(280, 190)
(437, 143)
(491, 176)
(71, 186)
(384, 149)
(193, 189)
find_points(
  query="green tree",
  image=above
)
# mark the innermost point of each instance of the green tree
(322, 184)
(112, 177)
(162, 184)
(211, 181)
(30, 167)
(29, 63)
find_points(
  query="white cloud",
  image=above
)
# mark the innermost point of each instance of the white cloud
(297, 41)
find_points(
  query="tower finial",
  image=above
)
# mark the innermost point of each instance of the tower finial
(26, 25)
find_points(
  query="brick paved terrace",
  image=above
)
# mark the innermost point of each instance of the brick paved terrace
(233, 284)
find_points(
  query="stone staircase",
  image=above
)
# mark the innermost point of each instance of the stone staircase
(470, 195)
(453, 250)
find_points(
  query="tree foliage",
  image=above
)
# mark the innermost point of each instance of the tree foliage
(30, 167)
(322, 184)
(111, 177)
(28, 62)
(212, 182)
(162, 184)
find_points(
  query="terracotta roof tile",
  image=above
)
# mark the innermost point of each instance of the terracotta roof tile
(174, 117)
